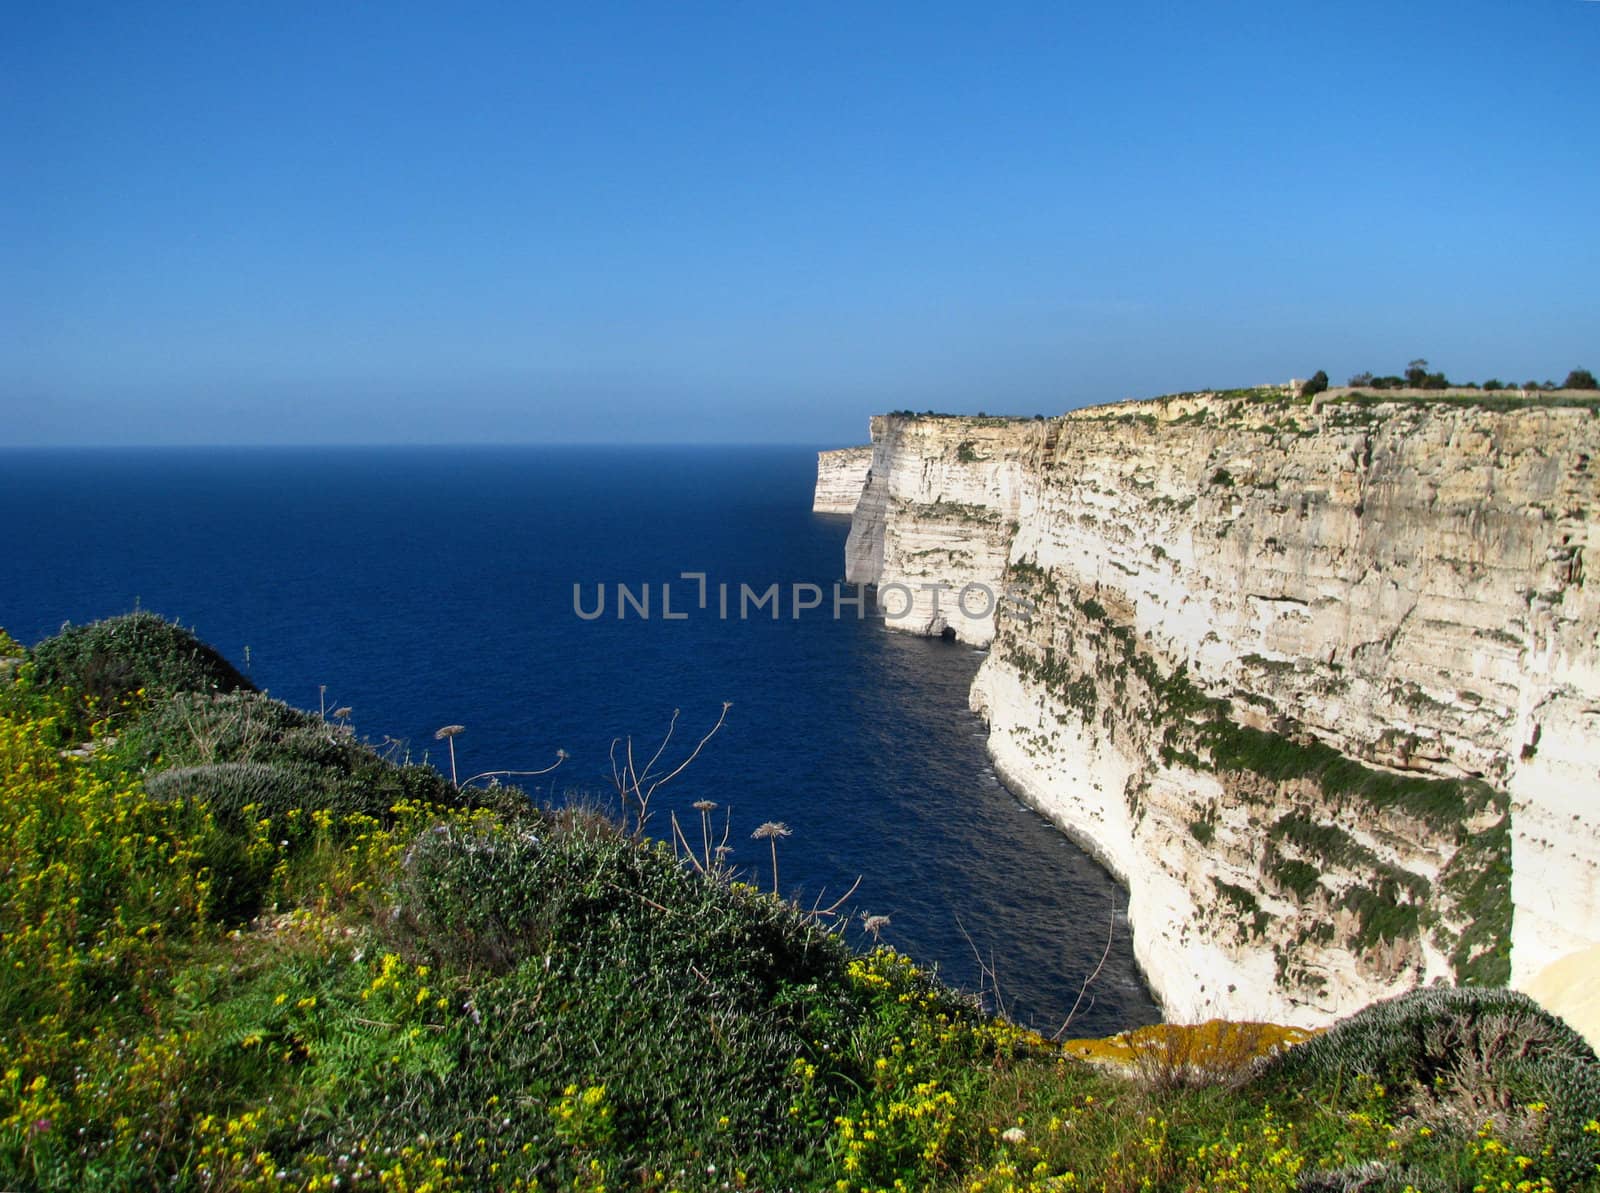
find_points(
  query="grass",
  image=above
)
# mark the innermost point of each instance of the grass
(245, 951)
(1478, 879)
(961, 512)
(1444, 805)
(1390, 903)
(1027, 575)
(1295, 875)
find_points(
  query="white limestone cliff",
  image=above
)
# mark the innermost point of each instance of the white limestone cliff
(841, 475)
(1319, 681)
(938, 515)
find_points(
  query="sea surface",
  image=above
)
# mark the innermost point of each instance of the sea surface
(433, 586)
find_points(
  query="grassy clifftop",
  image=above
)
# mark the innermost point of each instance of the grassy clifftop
(242, 950)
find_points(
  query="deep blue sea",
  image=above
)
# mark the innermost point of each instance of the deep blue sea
(433, 586)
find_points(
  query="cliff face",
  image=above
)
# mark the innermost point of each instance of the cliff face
(939, 514)
(1320, 683)
(840, 477)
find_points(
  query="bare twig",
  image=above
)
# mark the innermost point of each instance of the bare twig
(673, 774)
(642, 898)
(561, 756)
(637, 787)
(986, 973)
(1111, 929)
(722, 850)
(672, 726)
(678, 838)
(820, 913)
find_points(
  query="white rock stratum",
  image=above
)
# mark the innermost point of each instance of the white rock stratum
(1320, 682)
(840, 477)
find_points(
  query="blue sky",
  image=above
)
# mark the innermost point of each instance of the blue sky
(760, 222)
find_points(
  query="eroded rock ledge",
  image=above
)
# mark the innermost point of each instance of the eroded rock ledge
(841, 475)
(1320, 681)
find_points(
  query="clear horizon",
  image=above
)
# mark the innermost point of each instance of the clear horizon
(498, 224)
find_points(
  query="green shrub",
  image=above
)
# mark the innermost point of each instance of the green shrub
(1443, 804)
(1454, 1058)
(1380, 914)
(688, 1000)
(230, 787)
(1297, 876)
(1418, 377)
(109, 660)
(202, 712)
(195, 729)
(238, 794)
(1478, 879)
(475, 897)
(1245, 903)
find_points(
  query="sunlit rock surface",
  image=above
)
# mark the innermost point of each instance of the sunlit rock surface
(840, 477)
(1319, 680)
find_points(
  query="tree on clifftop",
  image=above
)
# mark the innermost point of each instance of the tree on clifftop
(1580, 379)
(1418, 377)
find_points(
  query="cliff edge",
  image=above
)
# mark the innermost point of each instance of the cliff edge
(1319, 679)
(841, 474)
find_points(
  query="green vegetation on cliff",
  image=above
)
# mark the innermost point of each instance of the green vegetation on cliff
(1467, 915)
(244, 951)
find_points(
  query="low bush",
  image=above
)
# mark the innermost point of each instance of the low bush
(107, 661)
(1460, 1061)
(196, 729)
(1292, 874)
(229, 788)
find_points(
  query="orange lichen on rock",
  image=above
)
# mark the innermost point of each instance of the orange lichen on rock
(1211, 1050)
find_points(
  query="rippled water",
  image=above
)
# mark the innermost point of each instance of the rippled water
(432, 586)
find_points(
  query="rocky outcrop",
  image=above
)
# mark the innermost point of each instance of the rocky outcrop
(938, 517)
(841, 475)
(1318, 679)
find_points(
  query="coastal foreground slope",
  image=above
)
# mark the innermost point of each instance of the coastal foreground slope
(245, 951)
